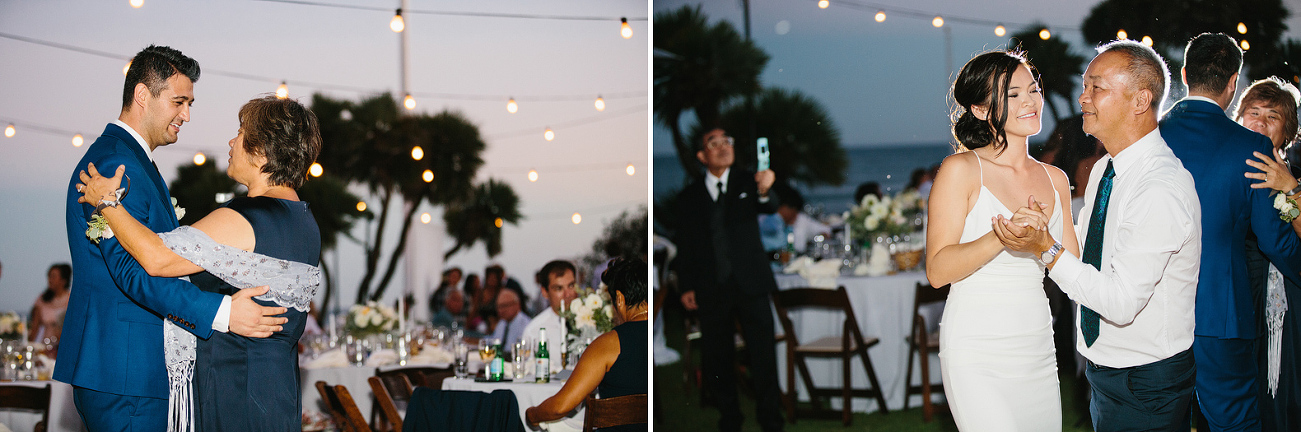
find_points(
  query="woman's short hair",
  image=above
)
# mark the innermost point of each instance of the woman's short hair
(627, 276)
(1278, 94)
(984, 81)
(286, 133)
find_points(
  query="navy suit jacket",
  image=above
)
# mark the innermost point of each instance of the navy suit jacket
(112, 333)
(1215, 149)
(694, 238)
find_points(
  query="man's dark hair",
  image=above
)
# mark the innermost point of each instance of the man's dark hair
(552, 269)
(627, 276)
(153, 66)
(789, 196)
(1210, 59)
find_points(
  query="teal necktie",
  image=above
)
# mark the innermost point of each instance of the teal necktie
(1093, 250)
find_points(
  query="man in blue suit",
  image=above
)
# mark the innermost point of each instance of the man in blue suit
(1212, 147)
(112, 347)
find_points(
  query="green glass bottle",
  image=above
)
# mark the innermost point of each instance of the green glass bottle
(496, 366)
(542, 362)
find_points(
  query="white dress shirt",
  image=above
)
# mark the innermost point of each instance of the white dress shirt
(220, 322)
(548, 319)
(1151, 252)
(711, 185)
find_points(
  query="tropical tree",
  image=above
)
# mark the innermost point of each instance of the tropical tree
(1058, 67)
(197, 188)
(803, 143)
(624, 236)
(480, 218)
(699, 67)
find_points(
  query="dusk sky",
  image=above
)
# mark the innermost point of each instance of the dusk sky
(554, 68)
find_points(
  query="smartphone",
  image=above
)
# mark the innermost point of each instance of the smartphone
(763, 153)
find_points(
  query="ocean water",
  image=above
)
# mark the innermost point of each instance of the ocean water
(890, 166)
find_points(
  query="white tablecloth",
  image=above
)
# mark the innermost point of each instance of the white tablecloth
(883, 307)
(526, 393)
(63, 413)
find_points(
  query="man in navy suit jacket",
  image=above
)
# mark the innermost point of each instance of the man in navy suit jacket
(1212, 146)
(112, 347)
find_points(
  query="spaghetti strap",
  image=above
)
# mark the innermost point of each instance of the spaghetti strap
(980, 167)
(1050, 177)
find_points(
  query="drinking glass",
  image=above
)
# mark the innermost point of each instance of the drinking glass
(487, 349)
(519, 360)
(461, 352)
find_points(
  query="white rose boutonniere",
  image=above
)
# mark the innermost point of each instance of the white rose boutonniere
(1287, 207)
(180, 211)
(97, 229)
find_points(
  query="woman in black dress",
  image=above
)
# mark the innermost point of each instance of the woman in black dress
(267, 238)
(615, 363)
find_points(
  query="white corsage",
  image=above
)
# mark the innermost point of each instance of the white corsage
(98, 229)
(1287, 207)
(180, 211)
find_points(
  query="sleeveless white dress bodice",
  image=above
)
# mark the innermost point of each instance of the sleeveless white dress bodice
(996, 340)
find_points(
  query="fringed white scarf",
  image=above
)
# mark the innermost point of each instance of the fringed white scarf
(293, 285)
(1275, 307)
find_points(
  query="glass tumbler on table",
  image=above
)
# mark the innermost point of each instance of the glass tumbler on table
(462, 354)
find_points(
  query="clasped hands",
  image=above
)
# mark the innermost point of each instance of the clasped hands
(1027, 229)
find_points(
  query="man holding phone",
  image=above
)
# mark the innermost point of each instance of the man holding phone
(724, 274)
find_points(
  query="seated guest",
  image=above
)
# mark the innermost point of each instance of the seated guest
(453, 310)
(449, 281)
(47, 312)
(511, 321)
(868, 188)
(789, 223)
(558, 285)
(615, 363)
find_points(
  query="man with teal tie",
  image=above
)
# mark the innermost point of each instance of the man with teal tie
(1137, 279)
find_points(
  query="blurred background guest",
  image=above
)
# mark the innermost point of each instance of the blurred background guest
(865, 189)
(452, 311)
(511, 319)
(47, 312)
(559, 285)
(473, 291)
(789, 223)
(451, 279)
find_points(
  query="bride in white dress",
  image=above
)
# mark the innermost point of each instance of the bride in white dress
(996, 339)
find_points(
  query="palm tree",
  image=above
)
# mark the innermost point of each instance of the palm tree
(698, 68)
(803, 143)
(1058, 67)
(480, 218)
(196, 189)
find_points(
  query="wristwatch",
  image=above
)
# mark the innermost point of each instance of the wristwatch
(1047, 257)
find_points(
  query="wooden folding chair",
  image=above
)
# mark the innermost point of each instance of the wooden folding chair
(30, 398)
(921, 344)
(615, 411)
(343, 408)
(387, 391)
(845, 346)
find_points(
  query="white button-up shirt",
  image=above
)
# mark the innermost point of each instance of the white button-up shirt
(1151, 251)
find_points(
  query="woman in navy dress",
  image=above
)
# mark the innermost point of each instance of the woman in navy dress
(239, 383)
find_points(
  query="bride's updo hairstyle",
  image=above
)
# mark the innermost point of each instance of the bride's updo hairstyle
(983, 81)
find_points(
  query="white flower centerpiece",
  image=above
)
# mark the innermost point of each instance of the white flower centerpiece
(370, 319)
(588, 316)
(11, 326)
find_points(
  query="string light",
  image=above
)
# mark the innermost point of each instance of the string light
(417, 153)
(822, 4)
(9, 131)
(497, 222)
(937, 22)
(549, 135)
(880, 16)
(624, 29)
(1121, 35)
(1245, 46)
(199, 158)
(397, 24)
(428, 176)
(425, 218)
(126, 68)
(282, 91)
(533, 175)
(409, 102)
(600, 104)
(1045, 34)
(1242, 28)
(577, 218)
(361, 206)
(77, 140)
(137, 3)
(630, 170)
(1000, 30)
(1147, 40)
(315, 170)
(511, 106)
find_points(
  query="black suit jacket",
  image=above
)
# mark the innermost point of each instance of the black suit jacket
(696, 264)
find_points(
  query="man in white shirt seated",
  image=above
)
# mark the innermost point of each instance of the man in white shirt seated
(789, 221)
(558, 285)
(512, 322)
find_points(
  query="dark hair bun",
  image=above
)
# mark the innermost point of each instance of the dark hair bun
(971, 132)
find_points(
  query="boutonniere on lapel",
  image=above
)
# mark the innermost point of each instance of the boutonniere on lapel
(180, 211)
(1287, 207)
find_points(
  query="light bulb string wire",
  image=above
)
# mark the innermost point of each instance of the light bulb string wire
(25, 125)
(579, 122)
(458, 13)
(916, 13)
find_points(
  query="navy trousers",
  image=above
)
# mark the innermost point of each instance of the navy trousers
(107, 412)
(1152, 397)
(1227, 385)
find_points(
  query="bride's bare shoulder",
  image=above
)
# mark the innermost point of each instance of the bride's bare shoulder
(959, 167)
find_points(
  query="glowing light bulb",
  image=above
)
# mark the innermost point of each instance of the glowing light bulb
(497, 222)
(533, 175)
(9, 131)
(425, 218)
(624, 29)
(315, 170)
(1121, 34)
(361, 206)
(1000, 30)
(549, 135)
(428, 176)
(577, 218)
(397, 24)
(1245, 46)
(137, 3)
(630, 170)
(200, 158)
(1242, 28)
(1045, 34)
(880, 16)
(409, 102)
(77, 140)
(821, 4)
(126, 68)
(511, 106)
(600, 104)
(282, 91)
(937, 22)
(417, 153)
(1147, 40)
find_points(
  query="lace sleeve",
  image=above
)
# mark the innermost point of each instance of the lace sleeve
(293, 284)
